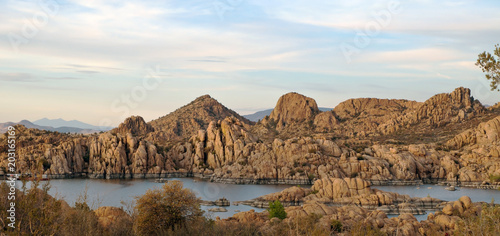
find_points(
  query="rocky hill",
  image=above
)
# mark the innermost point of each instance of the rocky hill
(187, 120)
(134, 125)
(450, 137)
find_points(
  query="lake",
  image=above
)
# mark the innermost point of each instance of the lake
(102, 192)
(111, 192)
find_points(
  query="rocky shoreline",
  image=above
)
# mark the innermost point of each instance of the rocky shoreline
(339, 192)
(269, 181)
(449, 139)
(397, 208)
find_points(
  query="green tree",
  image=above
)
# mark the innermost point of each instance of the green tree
(491, 66)
(276, 209)
(170, 208)
(36, 212)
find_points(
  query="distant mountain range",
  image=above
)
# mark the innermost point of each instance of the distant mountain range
(261, 114)
(57, 125)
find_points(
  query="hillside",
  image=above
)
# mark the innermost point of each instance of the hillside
(450, 137)
(187, 120)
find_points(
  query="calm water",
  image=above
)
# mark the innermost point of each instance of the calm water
(436, 191)
(112, 192)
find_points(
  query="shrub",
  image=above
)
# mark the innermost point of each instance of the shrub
(362, 229)
(495, 178)
(306, 225)
(276, 209)
(311, 176)
(487, 222)
(243, 163)
(169, 208)
(336, 226)
(45, 164)
(37, 213)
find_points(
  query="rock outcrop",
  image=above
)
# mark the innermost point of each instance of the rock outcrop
(486, 133)
(347, 192)
(379, 140)
(442, 109)
(293, 108)
(134, 125)
(462, 216)
(106, 155)
(367, 117)
(187, 120)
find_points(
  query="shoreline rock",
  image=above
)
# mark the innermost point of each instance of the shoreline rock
(347, 192)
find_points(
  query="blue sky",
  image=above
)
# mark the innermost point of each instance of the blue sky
(101, 61)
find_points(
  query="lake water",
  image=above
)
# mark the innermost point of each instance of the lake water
(439, 192)
(112, 192)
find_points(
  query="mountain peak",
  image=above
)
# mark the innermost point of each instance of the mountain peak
(192, 117)
(134, 125)
(293, 107)
(203, 97)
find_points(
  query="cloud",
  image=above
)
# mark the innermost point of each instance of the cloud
(89, 43)
(206, 60)
(427, 55)
(17, 77)
(92, 67)
(30, 78)
(87, 71)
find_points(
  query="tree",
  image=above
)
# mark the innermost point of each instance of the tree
(36, 212)
(169, 208)
(276, 209)
(491, 66)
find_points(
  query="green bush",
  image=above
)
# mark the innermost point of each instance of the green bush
(46, 165)
(276, 209)
(170, 208)
(495, 178)
(336, 226)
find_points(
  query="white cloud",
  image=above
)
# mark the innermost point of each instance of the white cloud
(117, 40)
(421, 55)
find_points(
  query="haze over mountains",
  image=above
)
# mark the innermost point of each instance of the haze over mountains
(57, 125)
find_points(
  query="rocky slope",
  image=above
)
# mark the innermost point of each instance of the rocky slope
(106, 155)
(372, 139)
(134, 125)
(187, 120)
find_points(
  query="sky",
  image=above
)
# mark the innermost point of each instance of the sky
(102, 61)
